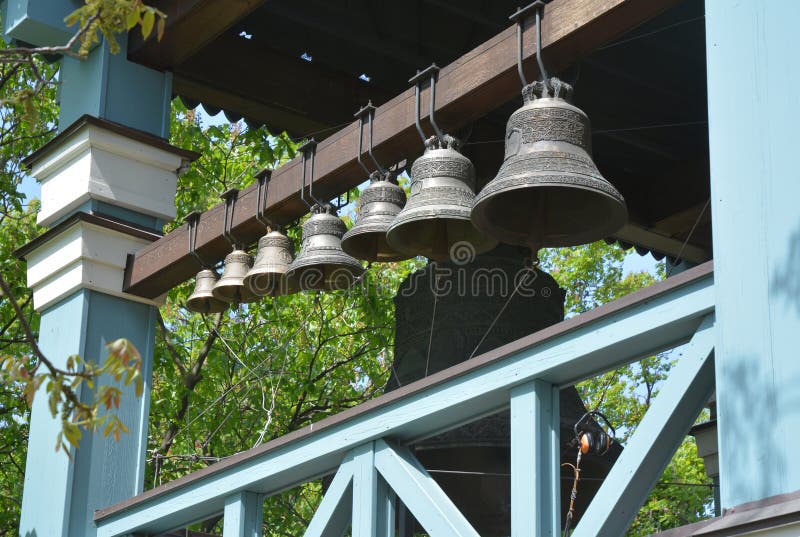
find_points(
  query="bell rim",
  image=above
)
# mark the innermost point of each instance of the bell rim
(286, 286)
(486, 243)
(218, 306)
(617, 219)
(245, 297)
(352, 240)
(353, 271)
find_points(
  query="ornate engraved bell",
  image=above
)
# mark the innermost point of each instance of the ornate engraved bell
(322, 265)
(202, 299)
(548, 191)
(268, 275)
(230, 287)
(377, 208)
(437, 215)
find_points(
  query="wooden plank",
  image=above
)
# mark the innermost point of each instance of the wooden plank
(365, 492)
(287, 96)
(190, 26)
(658, 435)
(420, 493)
(653, 319)
(535, 461)
(244, 515)
(332, 517)
(468, 88)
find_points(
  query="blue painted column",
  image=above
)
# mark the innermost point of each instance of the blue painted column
(754, 113)
(76, 269)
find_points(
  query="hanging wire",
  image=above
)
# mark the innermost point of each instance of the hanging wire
(521, 281)
(653, 32)
(688, 237)
(433, 318)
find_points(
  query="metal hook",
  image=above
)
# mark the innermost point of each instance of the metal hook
(432, 72)
(367, 112)
(229, 196)
(192, 219)
(263, 178)
(309, 147)
(519, 16)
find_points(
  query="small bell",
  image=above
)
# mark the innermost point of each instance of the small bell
(548, 191)
(268, 275)
(437, 215)
(322, 265)
(230, 287)
(377, 208)
(202, 299)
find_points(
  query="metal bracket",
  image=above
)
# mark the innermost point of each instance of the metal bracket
(229, 196)
(519, 17)
(432, 73)
(192, 219)
(308, 148)
(263, 178)
(367, 112)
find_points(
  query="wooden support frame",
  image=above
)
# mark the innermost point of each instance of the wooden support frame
(535, 458)
(659, 434)
(244, 515)
(467, 89)
(659, 317)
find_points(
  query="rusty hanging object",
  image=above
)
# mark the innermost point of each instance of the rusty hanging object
(436, 217)
(230, 287)
(377, 207)
(322, 265)
(548, 191)
(275, 253)
(202, 299)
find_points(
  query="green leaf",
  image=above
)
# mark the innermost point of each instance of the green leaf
(134, 16)
(148, 20)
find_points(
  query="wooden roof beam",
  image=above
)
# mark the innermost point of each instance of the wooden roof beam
(190, 26)
(473, 85)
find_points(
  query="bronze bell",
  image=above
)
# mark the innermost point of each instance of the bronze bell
(202, 299)
(322, 265)
(437, 215)
(268, 275)
(230, 287)
(377, 208)
(548, 191)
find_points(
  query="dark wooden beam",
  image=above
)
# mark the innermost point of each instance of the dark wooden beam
(281, 92)
(473, 85)
(190, 26)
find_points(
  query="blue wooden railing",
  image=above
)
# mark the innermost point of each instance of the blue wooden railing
(364, 446)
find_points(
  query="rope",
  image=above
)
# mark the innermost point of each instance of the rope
(433, 320)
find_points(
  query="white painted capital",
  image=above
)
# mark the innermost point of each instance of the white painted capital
(81, 253)
(95, 159)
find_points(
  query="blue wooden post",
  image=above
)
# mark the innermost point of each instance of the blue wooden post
(754, 113)
(535, 458)
(365, 492)
(77, 273)
(244, 515)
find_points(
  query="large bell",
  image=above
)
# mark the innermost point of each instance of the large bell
(548, 191)
(202, 299)
(268, 275)
(437, 215)
(471, 309)
(322, 265)
(377, 208)
(230, 287)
